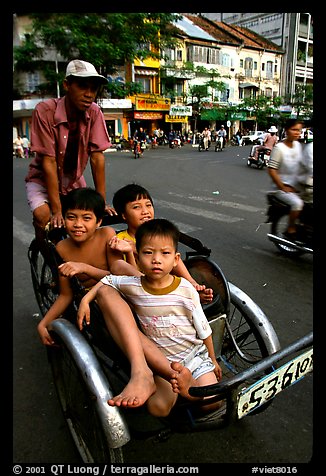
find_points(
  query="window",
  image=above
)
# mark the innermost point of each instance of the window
(145, 84)
(32, 81)
(179, 55)
(226, 60)
(269, 70)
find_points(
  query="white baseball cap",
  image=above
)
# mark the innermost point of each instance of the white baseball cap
(83, 69)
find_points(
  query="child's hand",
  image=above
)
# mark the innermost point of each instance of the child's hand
(124, 246)
(206, 295)
(83, 314)
(218, 370)
(71, 268)
(44, 334)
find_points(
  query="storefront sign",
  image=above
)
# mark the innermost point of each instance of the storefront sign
(169, 118)
(152, 104)
(148, 115)
(176, 110)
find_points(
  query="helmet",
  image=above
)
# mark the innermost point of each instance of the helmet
(272, 129)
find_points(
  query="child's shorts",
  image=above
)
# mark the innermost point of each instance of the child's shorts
(199, 362)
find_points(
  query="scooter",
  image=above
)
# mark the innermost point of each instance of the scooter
(219, 144)
(261, 159)
(277, 216)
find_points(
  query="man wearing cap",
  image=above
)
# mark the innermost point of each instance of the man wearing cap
(66, 133)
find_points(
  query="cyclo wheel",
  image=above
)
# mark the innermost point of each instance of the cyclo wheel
(78, 405)
(44, 278)
(247, 337)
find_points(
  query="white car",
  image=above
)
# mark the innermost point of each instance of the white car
(310, 134)
(254, 137)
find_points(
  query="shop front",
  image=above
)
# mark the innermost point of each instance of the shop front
(149, 113)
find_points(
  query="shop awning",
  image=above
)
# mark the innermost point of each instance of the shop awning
(146, 72)
(248, 85)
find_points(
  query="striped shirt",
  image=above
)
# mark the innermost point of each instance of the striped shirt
(171, 317)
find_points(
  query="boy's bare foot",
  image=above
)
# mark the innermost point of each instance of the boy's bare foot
(135, 393)
(181, 379)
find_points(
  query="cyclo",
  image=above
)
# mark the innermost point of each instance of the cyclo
(88, 368)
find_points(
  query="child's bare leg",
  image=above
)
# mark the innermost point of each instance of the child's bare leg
(122, 326)
(163, 400)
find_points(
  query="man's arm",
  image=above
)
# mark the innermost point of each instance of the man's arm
(49, 165)
(97, 162)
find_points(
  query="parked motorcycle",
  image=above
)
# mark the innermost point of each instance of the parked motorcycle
(261, 159)
(277, 216)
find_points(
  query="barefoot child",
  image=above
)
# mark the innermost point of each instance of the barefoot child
(86, 252)
(170, 315)
(135, 206)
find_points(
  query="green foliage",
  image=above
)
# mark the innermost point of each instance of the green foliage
(104, 39)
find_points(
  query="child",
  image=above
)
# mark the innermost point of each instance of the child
(170, 315)
(135, 205)
(85, 251)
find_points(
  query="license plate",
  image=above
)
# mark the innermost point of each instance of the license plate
(266, 388)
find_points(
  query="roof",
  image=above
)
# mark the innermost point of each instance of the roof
(187, 26)
(233, 34)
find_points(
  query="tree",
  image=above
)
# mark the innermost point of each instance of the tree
(107, 40)
(262, 108)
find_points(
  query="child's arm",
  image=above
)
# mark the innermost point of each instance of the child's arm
(58, 307)
(83, 313)
(206, 295)
(119, 247)
(210, 347)
(71, 268)
(115, 251)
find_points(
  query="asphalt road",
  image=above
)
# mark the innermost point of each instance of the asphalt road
(218, 199)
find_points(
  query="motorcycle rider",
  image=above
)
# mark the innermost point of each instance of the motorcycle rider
(270, 140)
(221, 133)
(284, 168)
(140, 136)
(207, 137)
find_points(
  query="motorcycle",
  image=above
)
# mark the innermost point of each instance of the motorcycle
(277, 216)
(259, 159)
(139, 147)
(219, 144)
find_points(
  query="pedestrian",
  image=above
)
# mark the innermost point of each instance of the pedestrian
(66, 133)
(18, 147)
(26, 145)
(170, 315)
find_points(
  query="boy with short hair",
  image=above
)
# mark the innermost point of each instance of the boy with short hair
(134, 205)
(86, 252)
(170, 315)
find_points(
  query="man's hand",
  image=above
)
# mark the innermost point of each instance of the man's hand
(57, 220)
(110, 210)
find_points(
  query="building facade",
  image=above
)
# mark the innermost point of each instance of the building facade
(292, 31)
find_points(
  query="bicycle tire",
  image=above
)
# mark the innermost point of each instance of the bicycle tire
(78, 406)
(44, 278)
(278, 226)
